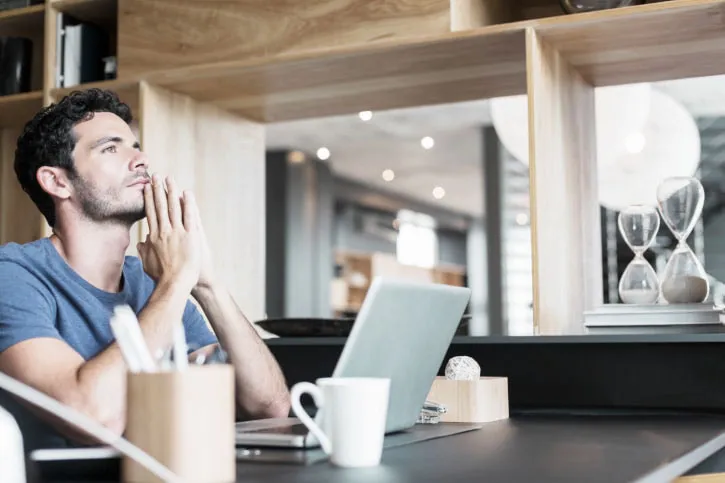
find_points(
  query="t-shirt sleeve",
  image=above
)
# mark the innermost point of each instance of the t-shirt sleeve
(198, 333)
(26, 308)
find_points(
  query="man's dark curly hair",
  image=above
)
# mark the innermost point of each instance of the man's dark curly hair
(47, 140)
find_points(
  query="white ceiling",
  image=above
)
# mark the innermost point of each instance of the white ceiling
(391, 140)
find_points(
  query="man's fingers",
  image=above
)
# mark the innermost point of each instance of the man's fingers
(190, 212)
(148, 195)
(162, 209)
(174, 203)
(141, 249)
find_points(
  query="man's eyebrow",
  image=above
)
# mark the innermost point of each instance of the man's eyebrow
(105, 140)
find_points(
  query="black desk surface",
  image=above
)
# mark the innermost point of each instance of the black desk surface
(527, 448)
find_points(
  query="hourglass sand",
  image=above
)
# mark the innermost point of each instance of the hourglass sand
(638, 225)
(680, 201)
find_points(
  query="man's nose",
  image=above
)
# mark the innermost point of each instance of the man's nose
(139, 161)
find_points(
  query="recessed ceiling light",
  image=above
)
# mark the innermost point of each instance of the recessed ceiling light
(635, 143)
(438, 192)
(323, 153)
(388, 175)
(522, 219)
(427, 142)
(366, 115)
(296, 157)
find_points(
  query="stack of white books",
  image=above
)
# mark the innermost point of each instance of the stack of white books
(655, 318)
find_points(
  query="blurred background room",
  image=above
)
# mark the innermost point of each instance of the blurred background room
(440, 194)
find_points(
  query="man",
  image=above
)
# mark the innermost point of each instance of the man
(80, 163)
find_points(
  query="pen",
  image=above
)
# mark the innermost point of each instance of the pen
(121, 336)
(132, 338)
(181, 361)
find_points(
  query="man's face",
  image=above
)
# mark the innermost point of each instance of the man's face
(110, 170)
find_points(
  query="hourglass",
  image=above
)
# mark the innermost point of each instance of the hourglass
(680, 201)
(638, 225)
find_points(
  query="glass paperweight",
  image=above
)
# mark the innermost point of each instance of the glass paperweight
(638, 225)
(680, 201)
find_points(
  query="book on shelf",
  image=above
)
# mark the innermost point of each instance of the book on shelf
(615, 318)
(82, 48)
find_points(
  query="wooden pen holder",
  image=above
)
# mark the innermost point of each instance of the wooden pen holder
(480, 401)
(184, 419)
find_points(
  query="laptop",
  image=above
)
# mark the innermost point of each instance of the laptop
(402, 332)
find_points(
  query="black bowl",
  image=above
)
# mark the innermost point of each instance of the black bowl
(320, 327)
(307, 327)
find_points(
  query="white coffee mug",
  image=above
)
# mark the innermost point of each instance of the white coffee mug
(351, 415)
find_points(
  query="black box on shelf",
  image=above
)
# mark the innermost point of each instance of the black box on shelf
(16, 54)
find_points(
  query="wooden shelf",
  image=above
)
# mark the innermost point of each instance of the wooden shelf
(21, 21)
(670, 40)
(103, 13)
(127, 90)
(647, 43)
(384, 75)
(17, 109)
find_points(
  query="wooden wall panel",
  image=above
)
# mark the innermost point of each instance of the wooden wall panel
(19, 218)
(156, 34)
(221, 157)
(565, 225)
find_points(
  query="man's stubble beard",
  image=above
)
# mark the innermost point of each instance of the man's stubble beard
(100, 207)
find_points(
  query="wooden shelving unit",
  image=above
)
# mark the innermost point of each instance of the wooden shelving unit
(674, 39)
(200, 65)
(100, 12)
(16, 109)
(26, 18)
(128, 90)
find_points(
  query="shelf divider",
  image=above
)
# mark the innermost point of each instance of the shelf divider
(565, 225)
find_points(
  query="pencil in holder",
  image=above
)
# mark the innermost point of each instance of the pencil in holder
(184, 419)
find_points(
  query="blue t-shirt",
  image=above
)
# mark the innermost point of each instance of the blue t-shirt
(42, 296)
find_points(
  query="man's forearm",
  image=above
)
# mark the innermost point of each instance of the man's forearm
(261, 389)
(102, 380)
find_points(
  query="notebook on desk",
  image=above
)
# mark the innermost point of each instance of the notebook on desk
(402, 332)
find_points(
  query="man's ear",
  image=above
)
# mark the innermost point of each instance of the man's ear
(54, 181)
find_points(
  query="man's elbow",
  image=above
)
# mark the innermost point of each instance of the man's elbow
(275, 408)
(112, 419)
(279, 409)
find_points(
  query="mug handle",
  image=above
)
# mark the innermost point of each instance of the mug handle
(295, 394)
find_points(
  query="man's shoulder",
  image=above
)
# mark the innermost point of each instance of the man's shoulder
(24, 268)
(23, 256)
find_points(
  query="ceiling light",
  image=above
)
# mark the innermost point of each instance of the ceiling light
(427, 142)
(522, 219)
(438, 192)
(635, 143)
(296, 157)
(366, 115)
(388, 175)
(323, 153)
